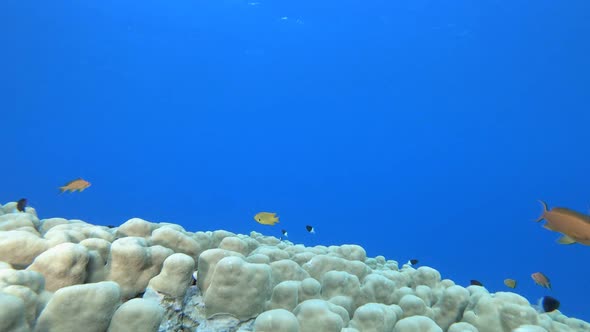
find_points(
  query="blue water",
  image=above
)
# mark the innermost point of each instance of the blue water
(415, 128)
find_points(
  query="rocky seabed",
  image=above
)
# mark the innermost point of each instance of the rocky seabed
(69, 275)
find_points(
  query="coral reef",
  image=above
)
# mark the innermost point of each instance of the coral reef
(61, 275)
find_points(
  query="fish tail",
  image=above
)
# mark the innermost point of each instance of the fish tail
(62, 189)
(542, 216)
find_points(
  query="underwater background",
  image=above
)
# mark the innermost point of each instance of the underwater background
(417, 129)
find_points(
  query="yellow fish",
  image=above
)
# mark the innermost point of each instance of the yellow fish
(266, 218)
(510, 283)
(573, 226)
(78, 184)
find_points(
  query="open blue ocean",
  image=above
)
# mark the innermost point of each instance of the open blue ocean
(418, 129)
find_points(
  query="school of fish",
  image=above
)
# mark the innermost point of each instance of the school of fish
(572, 226)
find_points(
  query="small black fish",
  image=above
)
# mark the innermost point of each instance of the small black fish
(21, 204)
(476, 283)
(111, 226)
(284, 233)
(310, 229)
(413, 261)
(549, 303)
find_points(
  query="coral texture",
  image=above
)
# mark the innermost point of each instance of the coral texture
(69, 275)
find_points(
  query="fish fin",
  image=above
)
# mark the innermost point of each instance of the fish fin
(566, 240)
(542, 216)
(547, 227)
(62, 189)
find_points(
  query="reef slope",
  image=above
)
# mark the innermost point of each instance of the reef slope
(61, 275)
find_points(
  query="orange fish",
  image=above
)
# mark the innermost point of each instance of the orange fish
(78, 184)
(574, 226)
(541, 280)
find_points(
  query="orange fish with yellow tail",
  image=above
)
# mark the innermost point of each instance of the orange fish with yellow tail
(574, 226)
(541, 280)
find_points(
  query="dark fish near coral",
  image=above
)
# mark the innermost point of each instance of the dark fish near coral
(310, 229)
(266, 218)
(21, 204)
(574, 226)
(284, 232)
(413, 262)
(548, 303)
(111, 226)
(78, 184)
(475, 283)
(541, 280)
